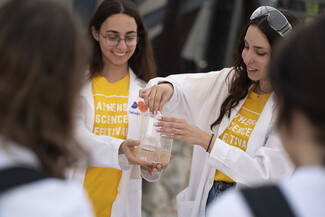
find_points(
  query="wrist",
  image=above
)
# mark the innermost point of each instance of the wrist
(205, 139)
(211, 142)
(166, 82)
(120, 150)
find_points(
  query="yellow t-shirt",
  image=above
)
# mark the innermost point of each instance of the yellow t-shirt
(110, 101)
(239, 130)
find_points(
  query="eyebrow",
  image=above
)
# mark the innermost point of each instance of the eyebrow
(116, 32)
(257, 47)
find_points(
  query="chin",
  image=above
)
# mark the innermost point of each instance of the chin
(253, 78)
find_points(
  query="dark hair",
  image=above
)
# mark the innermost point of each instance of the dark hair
(240, 83)
(298, 76)
(142, 61)
(43, 52)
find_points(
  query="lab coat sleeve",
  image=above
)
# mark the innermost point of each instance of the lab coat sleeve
(191, 92)
(174, 102)
(269, 163)
(103, 150)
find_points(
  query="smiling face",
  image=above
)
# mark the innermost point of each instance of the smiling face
(117, 25)
(256, 54)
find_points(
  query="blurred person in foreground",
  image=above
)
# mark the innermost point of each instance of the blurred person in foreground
(298, 74)
(43, 52)
(229, 115)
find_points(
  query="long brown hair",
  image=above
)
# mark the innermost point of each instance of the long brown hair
(43, 52)
(142, 61)
(240, 82)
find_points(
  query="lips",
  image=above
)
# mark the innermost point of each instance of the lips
(251, 69)
(119, 54)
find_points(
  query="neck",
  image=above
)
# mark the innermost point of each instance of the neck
(299, 140)
(263, 89)
(114, 74)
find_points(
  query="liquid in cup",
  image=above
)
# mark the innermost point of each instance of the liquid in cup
(153, 147)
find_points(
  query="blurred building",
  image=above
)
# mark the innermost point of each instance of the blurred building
(199, 35)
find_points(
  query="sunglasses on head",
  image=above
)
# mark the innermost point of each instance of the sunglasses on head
(275, 18)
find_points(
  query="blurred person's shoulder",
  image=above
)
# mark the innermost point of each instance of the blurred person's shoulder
(47, 197)
(305, 190)
(230, 204)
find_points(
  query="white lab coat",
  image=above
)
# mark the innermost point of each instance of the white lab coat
(50, 197)
(198, 98)
(104, 152)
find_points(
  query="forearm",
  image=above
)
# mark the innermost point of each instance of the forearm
(267, 165)
(103, 150)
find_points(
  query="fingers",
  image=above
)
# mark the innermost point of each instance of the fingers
(130, 153)
(156, 104)
(151, 167)
(145, 93)
(150, 93)
(136, 161)
(163, 101)
(179, 129)
(156, 96)
(171, 128)
(158, 167)
(171, 122)
(142, 93)
(164, 132)
(132, 143)
(172, 119)
(163, 166)
(128, 147)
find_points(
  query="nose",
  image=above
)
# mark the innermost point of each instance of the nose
(121, 44)
(247, 56)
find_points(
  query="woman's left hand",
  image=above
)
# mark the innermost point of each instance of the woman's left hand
(180, 129)
(156, 167)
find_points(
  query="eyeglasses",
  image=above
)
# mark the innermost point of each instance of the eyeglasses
(276, 19)
(113, 41)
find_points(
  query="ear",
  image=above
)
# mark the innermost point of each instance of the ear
(95, 33)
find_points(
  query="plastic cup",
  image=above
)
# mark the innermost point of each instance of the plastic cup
(153, 147)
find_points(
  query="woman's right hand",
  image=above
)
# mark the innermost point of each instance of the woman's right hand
(156, 96)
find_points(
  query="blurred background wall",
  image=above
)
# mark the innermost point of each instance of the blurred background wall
(191, 36)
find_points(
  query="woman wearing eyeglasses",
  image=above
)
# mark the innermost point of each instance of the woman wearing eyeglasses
(121, 64)
(228, 115)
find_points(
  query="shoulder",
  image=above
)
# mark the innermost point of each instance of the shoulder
(48, 197)
(86, 87)
(134, 79)
(211, 74)
(305, 199)
(210, 79)
(230, 204)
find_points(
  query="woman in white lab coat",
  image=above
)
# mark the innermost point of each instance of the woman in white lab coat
(228, 115)
(297, 73)
(121, 65)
